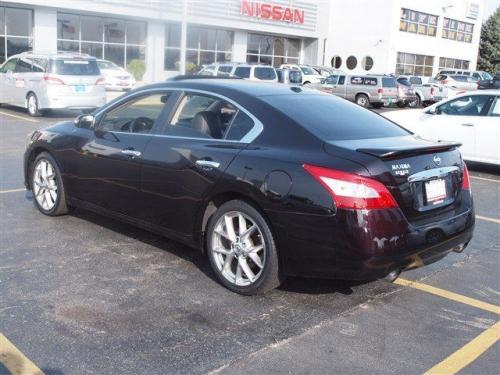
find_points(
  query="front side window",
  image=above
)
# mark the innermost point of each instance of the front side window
(200, 116)
(341, 80)
(135, 116)
(495, 108)
(465, 106)
(9, 66)
(332, 80)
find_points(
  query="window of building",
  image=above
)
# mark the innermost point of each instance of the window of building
(351, 62)
(415, 22)
(412, 64)
(16, 29)
(207, 46)
(367, 63)
(448, 63)
(272, 50)
(456, 30)
(117, 40)
(172, 46)
(336, 62)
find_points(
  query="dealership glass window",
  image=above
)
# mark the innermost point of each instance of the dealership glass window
(272, 50)
(456, 30)
(367, 63)
(172, 46)
(351, 62)
(16, 27)
(336, 62)
(412, 64)
(415, 22)
(206, 46)
(448, 63)
(117, 40)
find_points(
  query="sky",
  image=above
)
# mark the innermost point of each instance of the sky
(489, 7)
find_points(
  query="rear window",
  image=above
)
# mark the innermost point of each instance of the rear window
(404, 82)
(74, 67)
(389, 82)
(334, 119)
(264, 73)
(416, 80)
(242, 72)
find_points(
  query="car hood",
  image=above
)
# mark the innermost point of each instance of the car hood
(407, 118)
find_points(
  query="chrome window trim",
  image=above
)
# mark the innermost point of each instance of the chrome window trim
(257, 128)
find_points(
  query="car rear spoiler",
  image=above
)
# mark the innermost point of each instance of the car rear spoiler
(389, 152)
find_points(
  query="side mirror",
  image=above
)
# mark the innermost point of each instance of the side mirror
(85, 121)
(432, 111)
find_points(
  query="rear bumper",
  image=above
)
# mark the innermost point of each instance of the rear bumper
(407, 99)
(64, 97)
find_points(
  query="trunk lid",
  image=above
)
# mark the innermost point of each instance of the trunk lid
(423, 176)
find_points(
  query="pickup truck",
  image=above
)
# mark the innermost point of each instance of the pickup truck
(427, 93)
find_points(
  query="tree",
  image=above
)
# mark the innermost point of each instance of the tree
(489, 45)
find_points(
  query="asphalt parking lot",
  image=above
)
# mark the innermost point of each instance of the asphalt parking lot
(83, 294)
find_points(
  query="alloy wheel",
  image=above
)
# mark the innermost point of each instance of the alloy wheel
(45, 184)
(238, 248)
(32, 105)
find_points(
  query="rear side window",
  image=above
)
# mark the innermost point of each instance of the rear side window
(10, 65)
(23, 66)
(74, 67)
(224, 71)
(264, 74)
(40, 65)
(370, 81)
(341, 80)
(239, 127)
(334, 119)
(242, 72)
(415, 80)
(389, 82)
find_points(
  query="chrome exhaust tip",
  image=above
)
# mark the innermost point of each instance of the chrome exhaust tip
(391, 277)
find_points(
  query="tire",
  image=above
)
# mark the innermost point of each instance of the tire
(415, 103)
(33, 106)
(377, 105)
(242, 273)
(46, 183)
(362, 100)
(401, 104)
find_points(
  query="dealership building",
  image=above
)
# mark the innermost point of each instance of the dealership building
(176, 36)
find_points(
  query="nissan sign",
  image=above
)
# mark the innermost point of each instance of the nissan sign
(272, 12)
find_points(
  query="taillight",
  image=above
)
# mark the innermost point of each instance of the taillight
(53, 80)
(432, 91)
(380, 91)
(443, 82)
(465, 178)
(352, 191)
(100, 81)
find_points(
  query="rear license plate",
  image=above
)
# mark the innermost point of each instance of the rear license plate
(80, 88)
(435, 191)
(123, 83)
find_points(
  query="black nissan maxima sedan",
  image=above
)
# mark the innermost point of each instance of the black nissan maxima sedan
(268, 180)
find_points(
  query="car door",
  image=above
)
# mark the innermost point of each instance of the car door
(339, 88)
(107, 169)
(203, 135)
(22, 74)
(329, 84)
(488, 133)
(7, 81)
(456, 120)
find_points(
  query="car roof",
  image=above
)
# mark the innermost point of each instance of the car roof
(54, 55)
(228, 86)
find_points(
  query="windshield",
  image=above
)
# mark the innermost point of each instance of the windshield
(107, 65)
(308, 71)
(74, 67)
(487, 75)
(334, 119)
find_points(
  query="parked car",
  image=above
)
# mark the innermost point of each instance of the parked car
(289, 76)
(458, 82)
(115, 76)
(426, 93)
(406, 93)
(252, 72)
(472, 119)
(51, 81)
(309, 75)
(493, 83)
(267, 180)
(373, 90)
(474, 74)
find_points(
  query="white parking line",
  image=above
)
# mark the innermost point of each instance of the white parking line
(485, 218)
(485, 179)
(12, 191)
(18, 117)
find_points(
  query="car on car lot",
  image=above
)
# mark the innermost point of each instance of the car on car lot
(51, 81)
(406, 93)
(252, 72)
(476, 75)
(373, 90)
(473, 119)
(115, 76)
(309, 75)
(488, 84)
(426, 93)
(289, 76)
(268, 180)
(457, 82)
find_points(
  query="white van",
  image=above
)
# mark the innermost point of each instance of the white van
(253, 72)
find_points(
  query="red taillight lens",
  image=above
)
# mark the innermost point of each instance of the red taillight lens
(380, 91)
(352, 191)
(100, 81)
(443, 82)
(465, 178)
(432, 90)
(53, 80)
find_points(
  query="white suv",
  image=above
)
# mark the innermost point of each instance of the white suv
(253, 72)
(51, 81)
(309, 74)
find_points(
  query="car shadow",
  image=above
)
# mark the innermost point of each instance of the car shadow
(314, 286)
(484, 168)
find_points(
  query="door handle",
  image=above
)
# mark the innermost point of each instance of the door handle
(132, 153)
(207, 164)
(468, 124)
